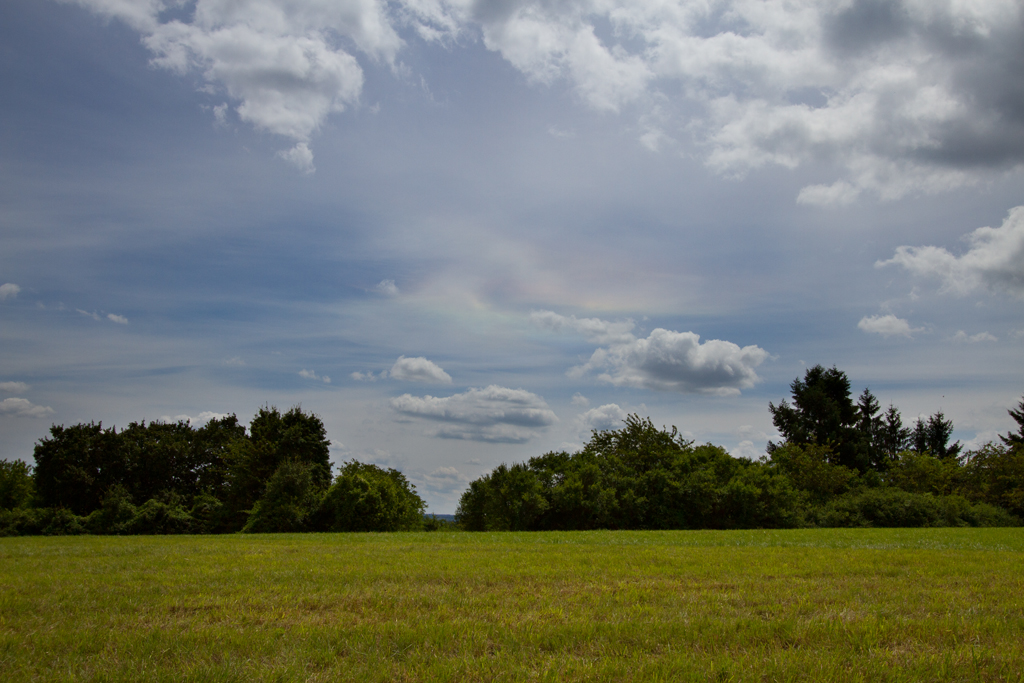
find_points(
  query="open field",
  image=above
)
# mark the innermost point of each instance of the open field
(872, 604)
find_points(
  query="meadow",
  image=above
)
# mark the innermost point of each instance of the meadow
(809, 604)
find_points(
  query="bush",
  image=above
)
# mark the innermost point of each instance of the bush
(157, 517)
(890, 507)
(287, 502)
(369, 498)
(114, 516)
(16, 486)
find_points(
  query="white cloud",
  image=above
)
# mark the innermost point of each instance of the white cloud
(9, 290)
(13, 387)
(903, 96)
(309, 374)
(386, 287)
(418, 370)
(580, 400)
(20, 407)
(962, 337)
(665, 360)
(995, 261)
(594, 329)
(281, 61)
(119, 319)
(199, 420)
(678, 361)
(608, 416)
(93, 315)
(299, 156)
(494, 414)
(235, 361)
(887, 326)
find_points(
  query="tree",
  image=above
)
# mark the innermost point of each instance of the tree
(933, 437)
(158, 459)
(16, 487)
(870, 424)
(1011, 439)
(823, 413)
(273, 439)
(366, 497)
(289, 499)
(76, 466)
(893, 437)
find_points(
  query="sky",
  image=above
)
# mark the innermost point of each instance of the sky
(469, 232)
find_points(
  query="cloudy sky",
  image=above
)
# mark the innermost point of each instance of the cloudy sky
(467, 232)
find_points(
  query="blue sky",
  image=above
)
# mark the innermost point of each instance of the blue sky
(469, 232)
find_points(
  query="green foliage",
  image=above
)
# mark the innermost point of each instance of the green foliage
(76, 465)
(366, 497)
(922, 472)
(994, 474)
(932, 436)
(636, 477)
(891, 507)
(290, 497)
(160, 517)
(115, 515)
(274, 438)
(824, 414)
(810, 468)
(1012, 440)
(16, 486)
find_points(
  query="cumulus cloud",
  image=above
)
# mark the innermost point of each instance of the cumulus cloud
(20, 407)
(994, 262)
(580, 400)
(608, 416)
(494, 414)
(9, 290)
(119, 319)
(906, 95)
(678, 361)
(309, 374)
(888, 326)
(418, 370)
(281, 62)
(962, 337)
(13, 387)
(665, 360)
(903, 95)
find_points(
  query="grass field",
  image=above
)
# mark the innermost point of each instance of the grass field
(872, 604)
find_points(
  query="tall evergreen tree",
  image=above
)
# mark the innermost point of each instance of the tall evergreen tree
(1017, 439)
(893, 437)
(823, 413)
(933, 437)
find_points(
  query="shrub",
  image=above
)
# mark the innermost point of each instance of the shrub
(289, 498)
(369, 498)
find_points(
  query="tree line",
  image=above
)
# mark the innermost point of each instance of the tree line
(166, 478)
(839, 462)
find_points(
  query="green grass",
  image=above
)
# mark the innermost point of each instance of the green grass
(873, 604)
